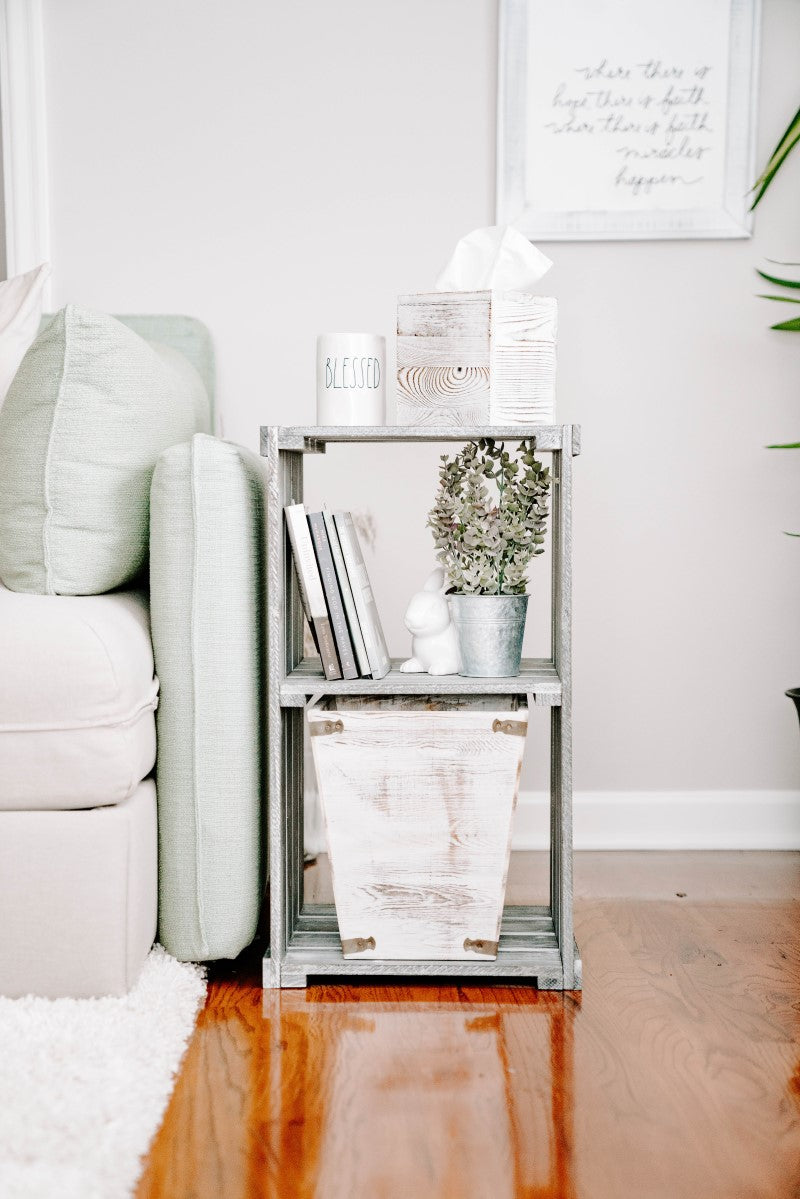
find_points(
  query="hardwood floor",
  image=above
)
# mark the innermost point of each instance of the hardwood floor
(676, 1073)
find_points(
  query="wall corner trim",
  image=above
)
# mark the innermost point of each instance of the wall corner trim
(24, 133)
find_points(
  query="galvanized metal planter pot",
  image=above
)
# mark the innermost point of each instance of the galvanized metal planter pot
(418, 794)
(490, 630)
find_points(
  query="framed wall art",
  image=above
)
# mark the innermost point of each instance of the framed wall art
(627, 118)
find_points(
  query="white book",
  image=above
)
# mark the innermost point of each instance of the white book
(311, 590)
(347, 596)
(363, 597)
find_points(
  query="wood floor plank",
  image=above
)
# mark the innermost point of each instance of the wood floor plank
(679, 1037)
(676, 1073)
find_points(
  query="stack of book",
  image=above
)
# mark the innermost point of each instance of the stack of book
(336, 594)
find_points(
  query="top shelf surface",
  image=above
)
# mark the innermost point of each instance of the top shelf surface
(312, 439)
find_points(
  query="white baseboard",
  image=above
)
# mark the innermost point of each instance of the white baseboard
(667, 820)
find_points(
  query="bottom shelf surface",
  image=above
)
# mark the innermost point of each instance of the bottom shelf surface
(528, 951)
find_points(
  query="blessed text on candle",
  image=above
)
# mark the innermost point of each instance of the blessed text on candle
(343, 374)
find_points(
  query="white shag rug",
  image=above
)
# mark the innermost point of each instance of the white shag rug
(84, 1082)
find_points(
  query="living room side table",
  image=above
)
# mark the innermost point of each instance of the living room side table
(536, 941)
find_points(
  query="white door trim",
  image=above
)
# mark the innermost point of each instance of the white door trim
(24, 132)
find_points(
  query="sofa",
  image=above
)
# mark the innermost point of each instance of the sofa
(131, 659)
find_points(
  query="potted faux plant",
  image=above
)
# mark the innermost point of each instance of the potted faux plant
(488, 523)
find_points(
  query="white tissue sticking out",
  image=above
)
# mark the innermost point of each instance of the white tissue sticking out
(499, 258)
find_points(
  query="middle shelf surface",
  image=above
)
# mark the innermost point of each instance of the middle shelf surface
(538, 679)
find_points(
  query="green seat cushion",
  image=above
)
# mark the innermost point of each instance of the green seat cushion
(207, 610)
(89, 410)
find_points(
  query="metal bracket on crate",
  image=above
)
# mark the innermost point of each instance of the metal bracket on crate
(323, 728)
(514, 728)
(487, 949)
(357, 945)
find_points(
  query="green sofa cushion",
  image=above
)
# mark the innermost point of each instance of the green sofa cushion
(207, 612)
(89, 411)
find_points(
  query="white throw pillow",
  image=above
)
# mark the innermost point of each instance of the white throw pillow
(20, 315)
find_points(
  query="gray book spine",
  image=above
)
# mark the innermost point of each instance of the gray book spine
(311, 592)
(333, 598)
(362, 659)
(366, 607)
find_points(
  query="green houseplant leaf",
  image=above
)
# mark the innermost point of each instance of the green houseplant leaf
(777, 281)
(777, 159)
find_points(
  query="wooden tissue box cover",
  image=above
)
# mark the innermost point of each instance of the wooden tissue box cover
(476, 358)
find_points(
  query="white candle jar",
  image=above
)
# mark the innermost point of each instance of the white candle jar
(351, 379)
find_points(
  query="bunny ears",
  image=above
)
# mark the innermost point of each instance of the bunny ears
(435, 581)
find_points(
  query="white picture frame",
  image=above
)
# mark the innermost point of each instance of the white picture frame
(564, 173)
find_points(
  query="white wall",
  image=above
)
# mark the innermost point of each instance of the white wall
(278, 170)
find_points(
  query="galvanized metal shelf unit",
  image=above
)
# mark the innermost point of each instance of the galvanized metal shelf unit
(536, 942)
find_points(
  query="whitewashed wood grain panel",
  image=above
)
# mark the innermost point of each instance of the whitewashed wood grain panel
(418, 794)
(523, 358)
(442, 395)
(461, 349)
(518, 319)
(523, 386)
(444, 313)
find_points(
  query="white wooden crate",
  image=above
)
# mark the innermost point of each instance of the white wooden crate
(418, 794)
(476, 358)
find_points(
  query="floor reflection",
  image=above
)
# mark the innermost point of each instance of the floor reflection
(417, 1091)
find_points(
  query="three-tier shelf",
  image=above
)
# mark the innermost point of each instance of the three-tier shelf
(536, 942)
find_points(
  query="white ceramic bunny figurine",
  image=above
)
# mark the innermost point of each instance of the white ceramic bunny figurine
(434, 641)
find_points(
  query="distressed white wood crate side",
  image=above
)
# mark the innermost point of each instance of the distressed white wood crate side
(418, 795)
(476, 357)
